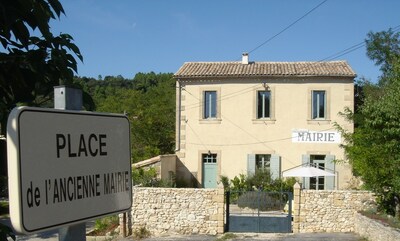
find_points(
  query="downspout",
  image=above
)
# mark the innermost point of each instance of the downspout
(178, 116)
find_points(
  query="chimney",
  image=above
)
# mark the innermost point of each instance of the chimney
(245, 58)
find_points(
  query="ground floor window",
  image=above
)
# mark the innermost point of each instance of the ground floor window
(318, 161)
(269, 162)
(209, 158)
(324, 162)
(263, 161)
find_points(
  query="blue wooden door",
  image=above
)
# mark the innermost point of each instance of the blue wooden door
(209, 175)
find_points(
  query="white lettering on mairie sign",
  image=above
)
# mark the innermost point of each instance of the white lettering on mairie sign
(304, 136)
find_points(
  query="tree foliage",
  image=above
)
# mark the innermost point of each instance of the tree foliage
(32, 59)
(373, 149)
(384, 48)
(149, 102)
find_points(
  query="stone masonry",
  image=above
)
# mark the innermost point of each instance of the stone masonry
(328, 211)
(374, 230)
(178, 211)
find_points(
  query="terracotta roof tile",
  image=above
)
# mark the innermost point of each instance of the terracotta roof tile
(195, 70)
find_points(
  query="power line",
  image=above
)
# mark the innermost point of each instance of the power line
(253, 143)
(289, 26)
(224, 97)
(243, 130)
(351, 49)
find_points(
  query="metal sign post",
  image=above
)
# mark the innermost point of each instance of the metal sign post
(66, 98)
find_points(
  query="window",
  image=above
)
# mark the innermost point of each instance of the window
(210, 104)
(324, 162)
(318, 161)
(270, 162)
(209, 158)
(318, 104)
(263, 104)
(263, 162)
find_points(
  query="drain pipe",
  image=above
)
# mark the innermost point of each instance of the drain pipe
(178, 116)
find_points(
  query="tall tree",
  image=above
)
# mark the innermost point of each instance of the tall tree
(32, 60)
(384, 48)
(149, 102)
(373, 149)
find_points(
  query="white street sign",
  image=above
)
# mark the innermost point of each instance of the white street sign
(320, 137)
(66, 167)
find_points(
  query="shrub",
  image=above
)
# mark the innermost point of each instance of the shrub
(262, 201)
(147, 177)
(141, 233)
(261, 180)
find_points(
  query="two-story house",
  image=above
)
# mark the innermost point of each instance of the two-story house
(235, 117)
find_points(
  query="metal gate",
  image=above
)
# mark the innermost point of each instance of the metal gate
(259, 212)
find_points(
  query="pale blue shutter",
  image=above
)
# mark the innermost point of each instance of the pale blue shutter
(275, 166)
(251, 164)
(306, 180)
(330, 167)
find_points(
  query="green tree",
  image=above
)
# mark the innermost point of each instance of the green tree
(373, 149)
(149, 102)
(384, 48)
(31, 65)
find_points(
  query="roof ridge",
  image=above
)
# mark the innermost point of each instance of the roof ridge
(255, 62)
(338, 68)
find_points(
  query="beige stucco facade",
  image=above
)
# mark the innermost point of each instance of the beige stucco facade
(236, 132)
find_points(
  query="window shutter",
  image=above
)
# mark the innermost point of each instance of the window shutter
(330, 167)
(275, 166)
(306, 180)
(251, 164)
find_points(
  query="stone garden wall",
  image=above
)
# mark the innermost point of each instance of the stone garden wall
(201, 211)
(328, 211)
(374, 230)
(178, 210)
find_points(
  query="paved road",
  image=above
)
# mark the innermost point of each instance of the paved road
(266, 236)
(53, 236)
(44, 236)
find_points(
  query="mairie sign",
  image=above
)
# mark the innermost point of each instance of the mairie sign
(66, 167)
(307, 136)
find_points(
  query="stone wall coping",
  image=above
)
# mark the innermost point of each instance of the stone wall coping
(335, 191)
(178, 189)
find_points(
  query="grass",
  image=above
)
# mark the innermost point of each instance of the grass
(226, 236)
(105, 225)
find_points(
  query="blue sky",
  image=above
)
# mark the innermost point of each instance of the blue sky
(124, 37)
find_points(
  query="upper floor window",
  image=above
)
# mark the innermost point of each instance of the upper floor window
(263, 104)
(318, 104)
(210, 104)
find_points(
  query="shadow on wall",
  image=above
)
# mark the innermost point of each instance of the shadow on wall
(185, 178)
(169, 167)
